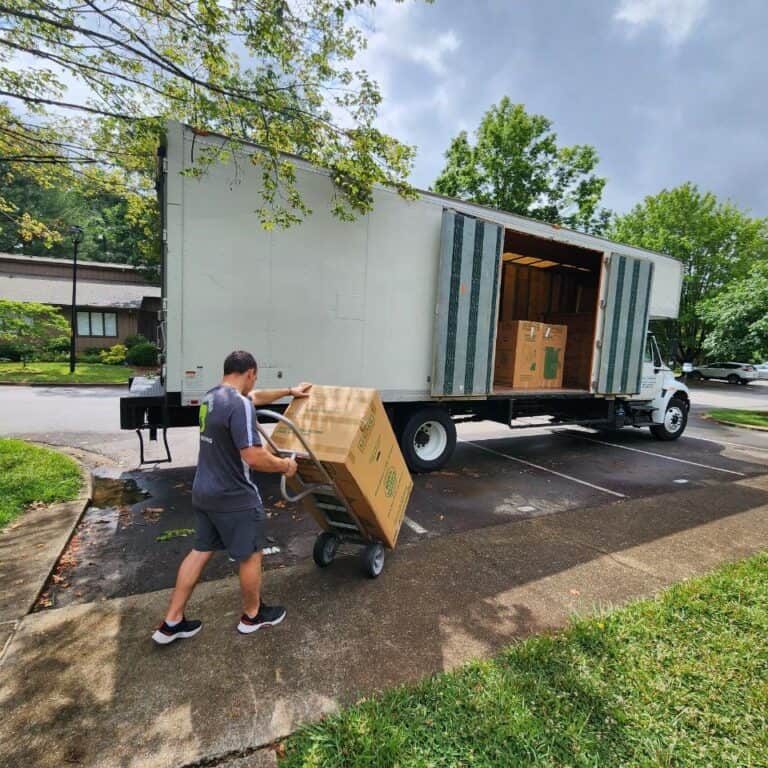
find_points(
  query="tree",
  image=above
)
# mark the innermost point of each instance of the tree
(715, 241)
(273, 72)
(110, 232)
(30, 327)
(517, 166)
(738, 318)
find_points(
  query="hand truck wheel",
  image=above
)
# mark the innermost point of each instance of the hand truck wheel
(324, 551)
(373, 560)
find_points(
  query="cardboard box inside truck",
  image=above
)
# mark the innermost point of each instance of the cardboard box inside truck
(348, 430)
(517, 355)
(552, 355)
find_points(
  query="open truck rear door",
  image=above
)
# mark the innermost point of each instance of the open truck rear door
(628, 283)
(467, 305)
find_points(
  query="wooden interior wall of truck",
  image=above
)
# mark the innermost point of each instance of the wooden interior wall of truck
(550, 282)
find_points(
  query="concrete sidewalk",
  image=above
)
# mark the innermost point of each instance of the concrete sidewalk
(85, 685)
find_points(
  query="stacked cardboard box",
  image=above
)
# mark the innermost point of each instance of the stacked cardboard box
(530, 355)
(517, 354)
(348, 430)
(552, 355)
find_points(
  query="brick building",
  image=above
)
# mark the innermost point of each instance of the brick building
(114, 301)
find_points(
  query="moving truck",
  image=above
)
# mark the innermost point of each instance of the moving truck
(416, 299)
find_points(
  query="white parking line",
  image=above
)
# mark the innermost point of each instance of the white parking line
(660, 455)
(414, 526)
(693, 436)
(546, 469)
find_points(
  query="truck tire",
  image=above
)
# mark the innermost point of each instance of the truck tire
(428, 439)
(675, 421)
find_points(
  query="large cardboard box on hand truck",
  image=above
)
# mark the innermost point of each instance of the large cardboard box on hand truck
(348, 431)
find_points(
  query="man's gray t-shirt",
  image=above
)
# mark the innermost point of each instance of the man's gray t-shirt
(223, 480)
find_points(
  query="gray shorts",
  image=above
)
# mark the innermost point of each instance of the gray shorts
(240, 533)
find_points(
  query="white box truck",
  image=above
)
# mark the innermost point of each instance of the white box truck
(406, 299)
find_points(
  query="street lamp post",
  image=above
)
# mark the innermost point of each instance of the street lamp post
(77, 237)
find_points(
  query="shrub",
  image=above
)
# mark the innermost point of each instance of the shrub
(59, 344)
(114, 355)
(144, 355)
(10, 351)
(91, 355)
(132, 341)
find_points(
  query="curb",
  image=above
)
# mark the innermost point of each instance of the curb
(84, 500)
(734, 424)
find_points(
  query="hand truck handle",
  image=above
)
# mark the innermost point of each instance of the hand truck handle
(306, 489)
(328, 486)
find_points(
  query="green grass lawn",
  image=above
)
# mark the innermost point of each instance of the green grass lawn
(681, 680)
(747, 418)
(58, 373)
(29, 474)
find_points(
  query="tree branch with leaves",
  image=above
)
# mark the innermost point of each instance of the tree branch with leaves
(516, 165)
(270, 72)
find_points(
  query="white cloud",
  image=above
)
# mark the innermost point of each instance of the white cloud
(396, 43)
(677, 18)
(433, 56)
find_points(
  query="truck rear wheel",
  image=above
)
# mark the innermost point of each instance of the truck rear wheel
(675, 421)
(428, 440)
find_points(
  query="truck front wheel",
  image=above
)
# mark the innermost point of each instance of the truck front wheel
(675, 421)
(428, 439)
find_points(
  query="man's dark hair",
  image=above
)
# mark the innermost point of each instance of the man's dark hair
(239, 362)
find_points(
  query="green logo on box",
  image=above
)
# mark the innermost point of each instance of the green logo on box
(390, 482)
(366, 424)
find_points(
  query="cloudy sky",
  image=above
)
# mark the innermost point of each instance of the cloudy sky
(667, 90)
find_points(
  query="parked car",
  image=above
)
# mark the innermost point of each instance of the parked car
(733, 373)
(762, 371)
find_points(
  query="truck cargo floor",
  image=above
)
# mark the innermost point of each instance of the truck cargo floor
(506, 391)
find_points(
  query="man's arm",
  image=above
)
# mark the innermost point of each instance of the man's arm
(266, 396)
(260, 459)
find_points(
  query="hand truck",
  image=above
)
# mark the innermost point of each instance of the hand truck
(343, 525)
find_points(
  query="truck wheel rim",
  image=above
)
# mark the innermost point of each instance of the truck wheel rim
(673, 420)
(430, 440)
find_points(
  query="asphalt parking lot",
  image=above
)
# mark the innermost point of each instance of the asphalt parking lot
(490, 480)
(495, 476)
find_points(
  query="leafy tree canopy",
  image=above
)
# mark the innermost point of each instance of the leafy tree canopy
(715, 241)
(738, 318)
(30, 327)
(516, 165)
(106, 74)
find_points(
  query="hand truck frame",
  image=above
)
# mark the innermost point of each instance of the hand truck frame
(343, 525)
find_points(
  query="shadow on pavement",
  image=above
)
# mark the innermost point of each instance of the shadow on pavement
(85, 685)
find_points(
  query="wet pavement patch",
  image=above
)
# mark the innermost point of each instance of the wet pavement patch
(139, 527)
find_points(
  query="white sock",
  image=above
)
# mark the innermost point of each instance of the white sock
(172, 623)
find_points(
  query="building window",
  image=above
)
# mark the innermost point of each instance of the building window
(97, 324)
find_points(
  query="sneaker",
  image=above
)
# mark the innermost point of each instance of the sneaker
(268, 616)
(185, 628)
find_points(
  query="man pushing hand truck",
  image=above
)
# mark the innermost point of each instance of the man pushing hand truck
(229, 513)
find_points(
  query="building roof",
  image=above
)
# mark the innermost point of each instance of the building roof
(90, 293)
(20, 257)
